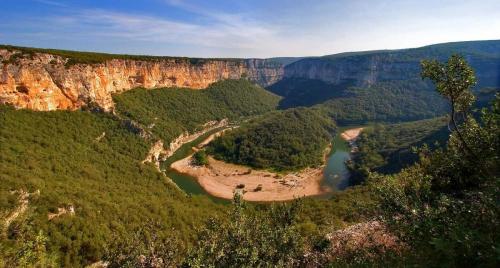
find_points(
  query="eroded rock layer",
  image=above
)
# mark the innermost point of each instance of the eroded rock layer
(42, 81)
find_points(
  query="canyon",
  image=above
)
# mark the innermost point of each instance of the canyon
(45, 81)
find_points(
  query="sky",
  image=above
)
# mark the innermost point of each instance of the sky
(244, 29)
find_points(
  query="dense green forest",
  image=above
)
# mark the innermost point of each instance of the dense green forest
(386, 102)
(387, 148)
(112, 193)
(91, 162)
(284, 140)
(171, 111)
(305, 92)
(385, 85)
(390, 101)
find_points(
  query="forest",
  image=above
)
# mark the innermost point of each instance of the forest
(387, 148)
(280, 141)
(172, 111)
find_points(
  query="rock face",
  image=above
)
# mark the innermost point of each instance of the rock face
(368, 68)
(43, 81)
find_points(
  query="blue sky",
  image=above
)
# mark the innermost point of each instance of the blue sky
(237, 28)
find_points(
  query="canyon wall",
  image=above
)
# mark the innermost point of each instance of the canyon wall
(368, 68)
(44, 81)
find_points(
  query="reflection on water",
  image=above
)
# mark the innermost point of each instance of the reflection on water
(336, 174)
(185, 182)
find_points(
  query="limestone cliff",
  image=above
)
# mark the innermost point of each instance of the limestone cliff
(368, 68)
(44, 81)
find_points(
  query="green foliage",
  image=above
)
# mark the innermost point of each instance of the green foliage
(388, 148)
(173, 111)
(29, 249)
(265, 239)
(81, 57)
(145, 248)
(200, 158)
(285, 140)
(386, 102)
(446, 207)
(454, 80)
(111, 191)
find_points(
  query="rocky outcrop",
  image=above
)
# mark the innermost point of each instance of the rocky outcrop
(61, 211)
(23, 201)
(158, 153)
(43, 81)
(363, 242)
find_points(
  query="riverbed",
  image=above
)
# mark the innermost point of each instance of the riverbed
(335, 173)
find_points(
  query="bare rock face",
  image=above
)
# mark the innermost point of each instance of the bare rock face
(43, 81)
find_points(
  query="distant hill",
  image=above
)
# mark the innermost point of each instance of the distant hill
(315, 80)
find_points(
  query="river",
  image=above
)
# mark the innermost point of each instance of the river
(336, 174)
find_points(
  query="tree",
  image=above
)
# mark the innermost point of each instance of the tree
(145, 248)
(445, 208)
(250, 238)
(200, 158)
(454, 81)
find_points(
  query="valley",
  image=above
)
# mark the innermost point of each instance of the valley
(124, 151)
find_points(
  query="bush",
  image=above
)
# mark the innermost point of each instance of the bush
(200, 158)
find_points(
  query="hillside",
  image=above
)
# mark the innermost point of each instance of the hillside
(112, 193)
(76, 186)
(387, 148)
(172, 111)
(353, 80)
(90, 197)
(285, 140)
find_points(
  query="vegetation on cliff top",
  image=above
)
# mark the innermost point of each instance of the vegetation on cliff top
(284, 140)
(83, 57)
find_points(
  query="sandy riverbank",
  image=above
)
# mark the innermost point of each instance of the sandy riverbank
(351, 134)
(222, 179)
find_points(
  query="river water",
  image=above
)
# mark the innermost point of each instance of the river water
(336, 174)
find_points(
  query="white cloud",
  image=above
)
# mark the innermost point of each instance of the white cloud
(324, 27)
(230, 32)
(51, 3)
